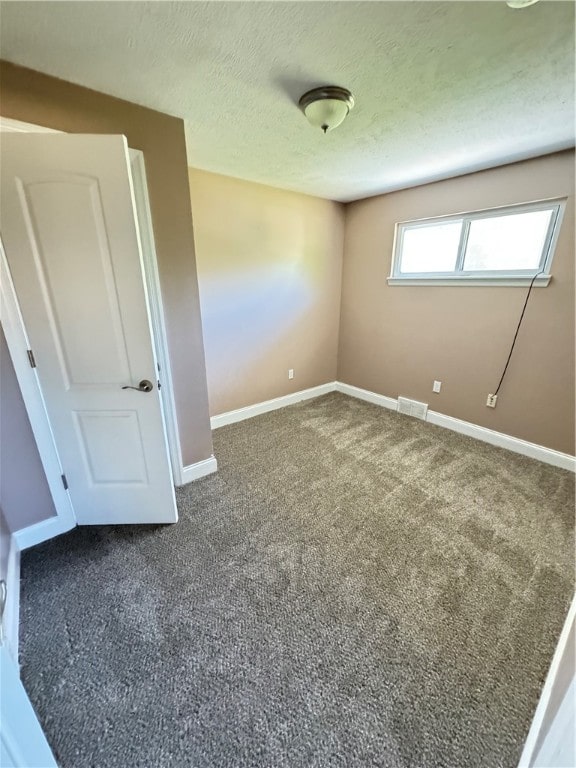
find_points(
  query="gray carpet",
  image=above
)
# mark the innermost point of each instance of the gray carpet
(353, 588)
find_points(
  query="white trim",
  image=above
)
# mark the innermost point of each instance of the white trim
(198, 470)
(489, 213)
(17, 341)
(503, 282)
(22, 741)
(369, 397)
(42, 531)
(559, 742)
(459, 276)
(500, 439)
(156, 308)
(10, 621)
(532, 739)
(9, 125)
(231, 417)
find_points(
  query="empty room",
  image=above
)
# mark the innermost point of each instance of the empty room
(287, 384)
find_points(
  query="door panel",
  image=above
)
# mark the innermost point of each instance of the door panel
(71, 241)
(65, 224)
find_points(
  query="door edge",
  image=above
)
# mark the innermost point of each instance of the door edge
(18, 345)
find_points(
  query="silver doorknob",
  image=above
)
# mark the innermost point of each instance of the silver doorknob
(144, 386)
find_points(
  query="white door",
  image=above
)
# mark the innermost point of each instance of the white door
(71, 240)
(22, 742)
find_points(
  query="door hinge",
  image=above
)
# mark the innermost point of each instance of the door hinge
(65, 482)
(159, 385)
(31, 359)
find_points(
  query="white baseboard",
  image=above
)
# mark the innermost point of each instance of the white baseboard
(365, 394)
(198, 470)
(11, 617)
(231, 417)
(54, 526)
(500, 439)
(39, 532)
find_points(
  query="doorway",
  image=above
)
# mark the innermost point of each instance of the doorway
(105, 471)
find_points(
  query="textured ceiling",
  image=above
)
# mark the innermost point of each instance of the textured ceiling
(441, 88)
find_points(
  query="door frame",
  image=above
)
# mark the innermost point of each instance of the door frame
(22, 741)
(17, 341)
(153, 293)
(546, 706)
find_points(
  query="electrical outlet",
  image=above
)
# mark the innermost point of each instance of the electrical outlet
(437, 386)
(291, 373)
(491, 401)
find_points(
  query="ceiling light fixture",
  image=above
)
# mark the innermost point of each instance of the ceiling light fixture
(520, 3)
(326, 107)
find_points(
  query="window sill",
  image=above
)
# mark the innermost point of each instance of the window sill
(504, 281)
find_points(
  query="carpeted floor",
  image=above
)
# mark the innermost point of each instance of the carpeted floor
(353, 588)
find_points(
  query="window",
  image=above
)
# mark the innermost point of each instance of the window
(504, 246)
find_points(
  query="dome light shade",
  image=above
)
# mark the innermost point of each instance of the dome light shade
(326, 107)
(520, 3)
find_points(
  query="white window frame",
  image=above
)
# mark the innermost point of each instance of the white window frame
(485, 277)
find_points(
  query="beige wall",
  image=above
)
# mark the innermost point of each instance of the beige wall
(397, 340)
(36, 98)
(269, 268)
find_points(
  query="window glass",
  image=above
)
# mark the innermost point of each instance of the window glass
(481, 247)
(507, 242)
(431, 248)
